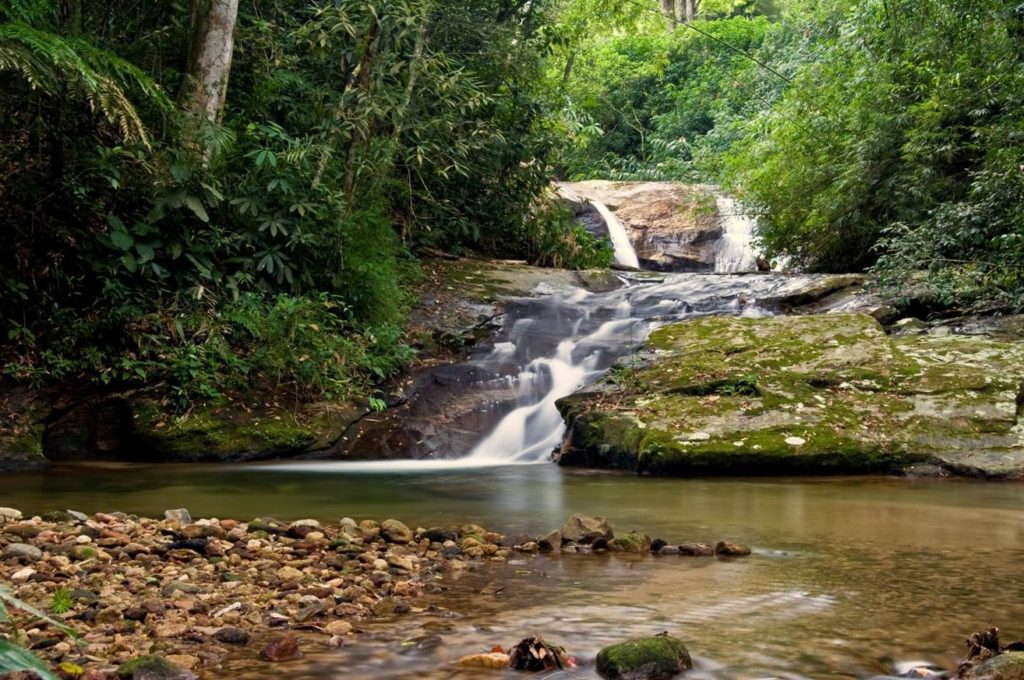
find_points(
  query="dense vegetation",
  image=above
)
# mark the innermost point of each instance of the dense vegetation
(883, 134)
(156, 234)
(166, 224)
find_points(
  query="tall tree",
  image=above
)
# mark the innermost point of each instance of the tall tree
(212, 40)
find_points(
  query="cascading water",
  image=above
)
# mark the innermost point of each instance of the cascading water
(735, 250)
(624, 251)
(573, 337)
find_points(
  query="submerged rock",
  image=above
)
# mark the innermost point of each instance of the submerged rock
(727, 549)
(810, 394)
(283, 648)
(152, 667)
(653, 658)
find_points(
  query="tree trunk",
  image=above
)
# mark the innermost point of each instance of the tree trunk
(212, 39)
(668, 9)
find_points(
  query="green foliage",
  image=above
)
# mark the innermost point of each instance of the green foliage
(277, 256)
(649, 104)
(14, 657)
(898, 146)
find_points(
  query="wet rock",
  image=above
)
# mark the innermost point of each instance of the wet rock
(632, 542)
(58, 517)
(195, 531)
(394, 531)
(585, 530)
(488, 660)
(338, 627)
(179, 515)
(668, 550)
(657, 544)
(696, 549)
(267, 524)
(282, 648)
(793, 394)
(9, 515)
(438, 535)
(232, 636)
(23, 551)
(1005, 666)
(728, 549)
(302, 528)
(650, 658)
(152, 667)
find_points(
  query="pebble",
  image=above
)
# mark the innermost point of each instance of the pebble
(23, 551)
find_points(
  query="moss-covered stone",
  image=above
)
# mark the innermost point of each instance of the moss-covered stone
(152, 667)
(650, 658)
(811, 394)
(1007, 666)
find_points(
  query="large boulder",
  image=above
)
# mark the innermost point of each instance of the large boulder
(585, 530)
(652, 658)
(810, 394)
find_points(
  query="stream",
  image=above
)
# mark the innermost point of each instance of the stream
(848, 576)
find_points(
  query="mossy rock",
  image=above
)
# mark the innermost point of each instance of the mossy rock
(632, 542)
(649, 658)
(827, 394)
(1007, 666)
(152, 667)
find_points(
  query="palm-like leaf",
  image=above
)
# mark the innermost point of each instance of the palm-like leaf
(49, 62)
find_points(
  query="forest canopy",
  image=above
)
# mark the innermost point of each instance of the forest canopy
(214, 195)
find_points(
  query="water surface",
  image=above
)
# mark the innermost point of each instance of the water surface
(848, 574)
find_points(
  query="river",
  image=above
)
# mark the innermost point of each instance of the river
(848, 575)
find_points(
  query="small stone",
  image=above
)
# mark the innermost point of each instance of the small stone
(152, 667)
(8, 515)
(23, 551)
(796, 441)
(488, 660)
(668, 550)
(232, 636)
(171, 630)
(23, 575)
(657, 544)
(195, 531)
(283, 648)
(338, 627)
(394, 531)
(179, 515)
(290, 574)
(696, 549)
(699, 437)
(185, 660)
(302, 528)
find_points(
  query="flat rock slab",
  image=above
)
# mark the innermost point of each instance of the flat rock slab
(811, 394)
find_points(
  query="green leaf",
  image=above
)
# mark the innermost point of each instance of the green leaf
(196, 206)
(145, 251)
(122, 240)
(14, 658)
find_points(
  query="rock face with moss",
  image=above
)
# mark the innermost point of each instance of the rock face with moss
(650, 658)
(813, 394)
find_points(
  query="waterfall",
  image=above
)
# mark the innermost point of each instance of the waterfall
(735, 252)
(624, 252)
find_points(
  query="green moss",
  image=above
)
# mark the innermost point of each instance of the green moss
(660, 656)
(828, 394)
(224, 429)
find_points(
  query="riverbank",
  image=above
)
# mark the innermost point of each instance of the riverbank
(196, 593)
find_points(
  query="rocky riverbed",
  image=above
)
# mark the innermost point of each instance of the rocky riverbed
(190, 594)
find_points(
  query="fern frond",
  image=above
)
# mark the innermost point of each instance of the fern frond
(49, 62)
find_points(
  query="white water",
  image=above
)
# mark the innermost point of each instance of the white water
(735, 251)
(624, 252)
